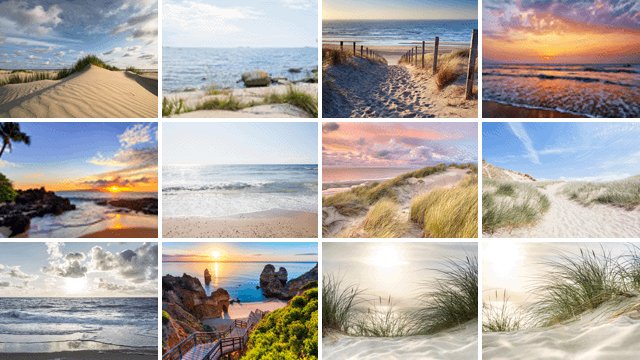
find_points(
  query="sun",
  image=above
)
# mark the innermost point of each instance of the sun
(114, 189)
(215, 255)
(502, 258)
(75, 285)
(385, 256)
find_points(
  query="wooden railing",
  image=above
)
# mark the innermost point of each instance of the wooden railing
(193, 340)
(363, 52)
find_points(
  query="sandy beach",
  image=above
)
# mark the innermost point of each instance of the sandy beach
(361, 88)
(289, 224)
(242, 311)
(124, 233)
(492, 109)
(92, 93)
(85, 354)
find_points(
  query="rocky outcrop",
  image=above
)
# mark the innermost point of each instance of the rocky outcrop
(147, 206)
(177, 324)
(28, 204)
(275, 284)
(256, 78)
(207, 277)
(188, 293)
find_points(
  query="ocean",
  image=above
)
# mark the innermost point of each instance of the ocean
(397, 32)
(67, 324)
(585, 90)
(238, 278)
(224, 190)
(90, 217)
(335, 179)
(199, 68)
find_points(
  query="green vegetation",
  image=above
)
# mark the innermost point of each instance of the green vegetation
(451, 66)
(500, 318)
(623, 193)
(451, 300)
(10, 133)
(230, 103)
(173, 107)
(133, 70)
(510, 204)
(83, 63)
(449, 212)
(381, 320)
(7, 193)
(165, 317)
(333, 57)
(296, 98)
(288, 333)
(382, 220)
(22, 76)
(338, 304)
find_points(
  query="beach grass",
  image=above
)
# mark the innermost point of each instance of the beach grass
(622, 193)
(296, 98)
(381, 319)
(500, 318)
(21, 77)
(229, 103)
(382, 220)
(332, 57)
(134, 70)
(171, 107)
(451, 299)
(339, 303)
(510, 204)
(449, 212)
(82, 64)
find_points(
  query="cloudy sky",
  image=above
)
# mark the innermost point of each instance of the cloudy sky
(398, 144)
(578, 151)
(85, 156)
(560, 31)
(78, 269)
(51, 34)
(396, 269)
(229, 23)
(399, 9)
(243, 251)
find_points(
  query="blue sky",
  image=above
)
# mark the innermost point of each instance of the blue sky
(241, 251)
(239, 143)
(228, 23)
(51, 34)
(580, 151)
(399, 9)
(78, 269)
(65, 156)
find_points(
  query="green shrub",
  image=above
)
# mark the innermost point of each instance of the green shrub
(165, 317)
(7, 193)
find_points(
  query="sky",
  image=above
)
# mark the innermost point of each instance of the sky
(398, 144)
(85, 156)
(391, 268)
(517, 266)
(240, 252)
(239, 143)
(78, 269)
(560, 31)
(399, 9)
(229, 23)
(52, 34)
(564, 151)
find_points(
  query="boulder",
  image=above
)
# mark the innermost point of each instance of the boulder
(207, 277)
(147, 206)
(188, 293)
(28, 204)
(274, 284)
(295, 70)
(256, 78)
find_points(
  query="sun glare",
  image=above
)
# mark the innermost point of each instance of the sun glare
(114, 189)
(502, 258)
(215, 255)
(385, 256)
(75, 285)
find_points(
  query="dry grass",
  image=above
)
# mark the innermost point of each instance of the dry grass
(510, 204)
(449, 213)
(382, 220)
(623, 193)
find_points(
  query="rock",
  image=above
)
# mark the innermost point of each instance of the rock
(207, 277)
(274, 284)
(295, 70)
(256, 78)
(29, 204)
(147, 206)
(177, 326)
(188, 293)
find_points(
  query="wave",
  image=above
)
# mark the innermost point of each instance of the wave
(266, 186)
(561, 77)
(21, 316)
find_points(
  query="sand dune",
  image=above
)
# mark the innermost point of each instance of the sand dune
(461, 344)
(92, 93)
(568, 219)
(603, 334)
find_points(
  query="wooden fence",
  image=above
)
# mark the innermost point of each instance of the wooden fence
(415, 57)
(363, 52)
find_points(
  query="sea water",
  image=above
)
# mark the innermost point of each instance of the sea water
(397, 32)
(198, 68)
(67, 324)
(585, 90)
(224, 190)
(240, 279)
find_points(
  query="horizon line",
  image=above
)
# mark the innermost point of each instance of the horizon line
(405, 19)
(237, 261)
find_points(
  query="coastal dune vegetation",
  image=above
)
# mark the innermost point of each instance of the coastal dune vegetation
(439, 212)
(511, 204)
(451, 66)
(448, 301)
(623, 193)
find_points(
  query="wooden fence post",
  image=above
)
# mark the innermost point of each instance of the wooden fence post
(473, 52)
(354, 49)
(416, 56)
(341, 46)
(435, 55)
(361, 50)
(423, 54)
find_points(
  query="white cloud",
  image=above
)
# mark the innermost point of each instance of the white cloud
(134, 266)
(299, 4)
(190, 16)
(136, 134)
(522, 135)
(26, 19)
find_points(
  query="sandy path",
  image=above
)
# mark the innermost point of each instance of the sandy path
(568, 219)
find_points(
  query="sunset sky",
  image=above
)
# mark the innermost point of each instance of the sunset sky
(399, 9)
(78, 269)
(240, 251)
(85, 156)
(557, 31)
(398, 144)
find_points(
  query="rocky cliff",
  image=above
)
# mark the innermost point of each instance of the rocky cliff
(274, 283)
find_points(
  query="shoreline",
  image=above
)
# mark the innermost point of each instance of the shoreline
(492, 109)
(136, 232)
(265, 224)
(133, 354)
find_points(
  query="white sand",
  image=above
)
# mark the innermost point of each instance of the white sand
(92, 93)
(569, 219)
(600, 335)
(451, 345)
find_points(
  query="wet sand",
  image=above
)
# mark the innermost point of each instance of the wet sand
(492, 109)
(84, 355)
(124, 233)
